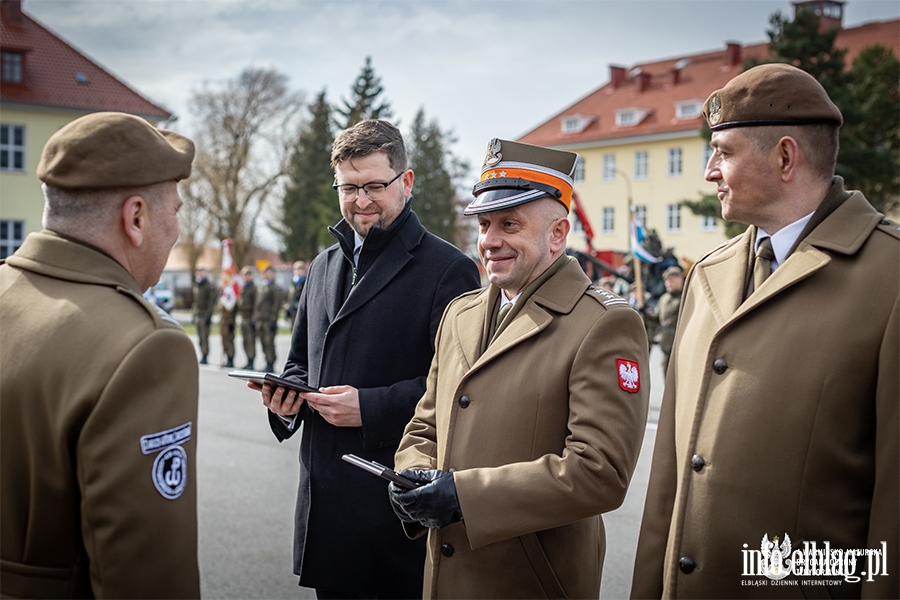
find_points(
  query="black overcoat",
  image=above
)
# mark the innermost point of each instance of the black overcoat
(380, 339)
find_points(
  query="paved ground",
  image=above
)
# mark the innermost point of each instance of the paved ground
(247, 488)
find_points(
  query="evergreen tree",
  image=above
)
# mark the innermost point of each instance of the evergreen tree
(434, 191)
(310, 205)
(364, 102)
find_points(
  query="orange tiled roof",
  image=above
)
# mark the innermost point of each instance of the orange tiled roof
(50, 74)
(654, 88)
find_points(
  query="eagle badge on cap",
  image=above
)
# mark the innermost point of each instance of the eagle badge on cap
(715, 109)
(493, 153)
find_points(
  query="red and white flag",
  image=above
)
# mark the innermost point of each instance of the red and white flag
(231, 288)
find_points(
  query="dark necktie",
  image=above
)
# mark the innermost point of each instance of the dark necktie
(762, 265)
(501, 314)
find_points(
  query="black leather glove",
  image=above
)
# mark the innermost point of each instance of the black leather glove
(434, 504)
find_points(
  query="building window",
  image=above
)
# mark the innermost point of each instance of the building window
(640, 215)
(640, 164)
(707, 152)
(12, 147)
(609, 167)
(12, 234)
(577, 225)
(608, 221)
(13, 66)
(674, 162)
(572, 125)
(707, 223)
(688, 110)
(578, 176)
(673, 218)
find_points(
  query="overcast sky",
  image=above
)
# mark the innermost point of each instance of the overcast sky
(482, 68)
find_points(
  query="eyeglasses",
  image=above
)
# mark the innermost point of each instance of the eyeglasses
(374, 190)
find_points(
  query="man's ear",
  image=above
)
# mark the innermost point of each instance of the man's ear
(788, 154)
(559, 231)
(135, 219)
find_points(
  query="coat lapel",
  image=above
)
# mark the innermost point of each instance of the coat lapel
(334, 283)
(723, 277)
(468, 328)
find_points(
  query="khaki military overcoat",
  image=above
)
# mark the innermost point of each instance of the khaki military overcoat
(543, 432)
(780, 417)
(98, 416)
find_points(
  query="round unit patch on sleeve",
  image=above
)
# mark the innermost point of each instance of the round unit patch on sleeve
(629, 375)
(170, 472)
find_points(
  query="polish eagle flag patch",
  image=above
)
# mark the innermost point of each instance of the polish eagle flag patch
(629, 375)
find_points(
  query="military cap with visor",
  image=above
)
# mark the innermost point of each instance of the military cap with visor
(771, 94)
(110, 150)
(515, 173)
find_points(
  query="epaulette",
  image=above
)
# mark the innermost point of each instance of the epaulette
(604, 297)
(890, 227)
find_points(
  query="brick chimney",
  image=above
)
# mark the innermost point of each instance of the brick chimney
(616, 76)
(641, 81)
(12, 11)
(674, 76)
(732, 54)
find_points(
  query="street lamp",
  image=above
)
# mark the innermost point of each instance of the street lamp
(635, 264)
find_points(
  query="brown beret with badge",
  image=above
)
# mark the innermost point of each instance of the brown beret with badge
(110, 149)
(514, 173)
(771, 94)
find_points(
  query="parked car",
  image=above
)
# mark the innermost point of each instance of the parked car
(162, 295)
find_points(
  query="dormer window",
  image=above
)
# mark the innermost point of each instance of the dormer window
(689, 109)
(576, 123)
(13, 67)
(629, 117)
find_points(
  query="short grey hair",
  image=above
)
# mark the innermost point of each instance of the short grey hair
(92, 209)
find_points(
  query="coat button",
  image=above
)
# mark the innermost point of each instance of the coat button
(464, 402)
(720, 365)
(447, 550)
(687, 565)
(697, 462)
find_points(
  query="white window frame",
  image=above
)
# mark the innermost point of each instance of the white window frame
(609, 167)
(673, 218)
(674, 164)
(707, 153)
(629, 117)
(708, 223)
(11, 236)
(688, 109)
(640, 215)
(577, 225)
(12, 150)
(641, 164)
(578, 175)
(608, 220)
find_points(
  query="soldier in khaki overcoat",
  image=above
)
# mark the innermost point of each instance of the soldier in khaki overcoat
(98, 389)
(535, 406)
(775, 470)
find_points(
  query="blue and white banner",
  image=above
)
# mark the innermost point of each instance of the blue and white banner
(637, 236)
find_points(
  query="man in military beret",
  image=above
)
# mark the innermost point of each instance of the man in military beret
(246, 306)
(780, 417)
(534, 412)
(98, 391)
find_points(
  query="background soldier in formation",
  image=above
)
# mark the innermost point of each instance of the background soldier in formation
(228, 324)
(268, 305)
(297, 282)
(667, 311)
(246, 306)
(204, 303)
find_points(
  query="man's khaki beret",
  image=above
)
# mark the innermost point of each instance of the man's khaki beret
(772, 94)
(110, 149)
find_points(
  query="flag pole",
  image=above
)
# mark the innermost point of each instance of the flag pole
(632, 233)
